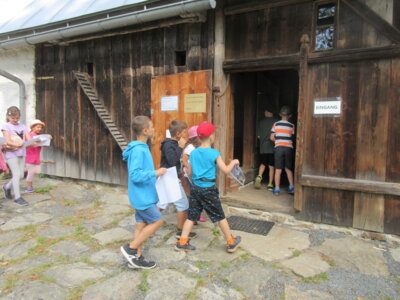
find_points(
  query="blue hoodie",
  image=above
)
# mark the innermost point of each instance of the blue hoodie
(141, 176)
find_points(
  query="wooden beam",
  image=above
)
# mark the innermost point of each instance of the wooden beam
(262, 63)
(347, 184)
(354, 54)
(371, 17)
(258, 5)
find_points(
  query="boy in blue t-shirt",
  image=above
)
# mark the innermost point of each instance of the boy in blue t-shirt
(204, 194)
(142, 192)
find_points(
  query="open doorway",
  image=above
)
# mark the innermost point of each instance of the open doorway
(252, 93)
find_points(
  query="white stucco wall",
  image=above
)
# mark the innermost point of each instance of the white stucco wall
(20, 62)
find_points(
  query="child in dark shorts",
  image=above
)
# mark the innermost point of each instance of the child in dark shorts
(205, 195)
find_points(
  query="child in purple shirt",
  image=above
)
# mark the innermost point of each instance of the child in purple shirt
(15, 133)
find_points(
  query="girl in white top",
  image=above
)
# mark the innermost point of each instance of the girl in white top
(192, 144)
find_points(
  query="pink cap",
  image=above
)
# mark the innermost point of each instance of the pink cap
(193, 131)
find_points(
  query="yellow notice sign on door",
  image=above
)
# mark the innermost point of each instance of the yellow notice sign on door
(195, 103)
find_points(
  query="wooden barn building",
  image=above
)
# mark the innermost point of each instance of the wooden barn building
(336, 63)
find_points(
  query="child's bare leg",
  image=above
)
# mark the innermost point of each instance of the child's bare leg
(224, 225)
(289, 174)
(271, 174)
(29, 183)
(261, 170)
(138, 228)
(278, 173)
(181, 218)
(145, 233)
(187, 227)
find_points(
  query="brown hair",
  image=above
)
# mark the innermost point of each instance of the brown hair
(138, 124)
(176, 126)
(12, 111)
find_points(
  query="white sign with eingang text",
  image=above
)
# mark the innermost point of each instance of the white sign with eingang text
(328, 106)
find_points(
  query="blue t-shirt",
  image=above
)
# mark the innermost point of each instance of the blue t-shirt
(203, 162)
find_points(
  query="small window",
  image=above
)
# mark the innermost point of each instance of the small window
(325, 26)
(89, 67)
(180, 58)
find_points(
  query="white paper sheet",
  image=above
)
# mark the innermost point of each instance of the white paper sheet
(168, 188)
(31, 141)
(44, 140)
(2, 140)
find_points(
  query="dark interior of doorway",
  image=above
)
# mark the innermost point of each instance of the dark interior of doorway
(253, 92)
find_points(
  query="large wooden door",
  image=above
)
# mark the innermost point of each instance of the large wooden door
(189, 89)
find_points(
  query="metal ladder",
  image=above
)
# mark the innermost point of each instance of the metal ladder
(90, 91)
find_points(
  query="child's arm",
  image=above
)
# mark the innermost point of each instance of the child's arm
(9, 143)
(172, 155)
(186, 164)
(226, 168)
(135, 169)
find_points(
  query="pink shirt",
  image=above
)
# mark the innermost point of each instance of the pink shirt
(33, 153)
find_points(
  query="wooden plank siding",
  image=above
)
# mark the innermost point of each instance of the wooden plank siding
(123, 66)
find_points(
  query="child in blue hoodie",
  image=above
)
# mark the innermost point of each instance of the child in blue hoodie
(142, 192)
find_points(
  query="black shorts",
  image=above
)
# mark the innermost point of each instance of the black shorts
(283, 158)
(267, 159)
(207, 199)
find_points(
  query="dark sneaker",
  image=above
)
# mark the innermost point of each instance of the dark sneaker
(184, 247)
(21, 201)
(257, 183)
(270, 187)
(128, 253)
(233, 247)
(192, 235)
(142, 263)
(7, 192)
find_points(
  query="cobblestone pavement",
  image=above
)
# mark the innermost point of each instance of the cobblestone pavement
(65, 245)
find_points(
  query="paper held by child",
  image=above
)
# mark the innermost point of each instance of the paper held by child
(43, 138)
(167, 186)
(238, 175)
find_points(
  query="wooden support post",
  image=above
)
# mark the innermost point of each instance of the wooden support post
(220, 105)
(302, 112)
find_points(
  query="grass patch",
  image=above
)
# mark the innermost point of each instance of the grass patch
(68, 202)
(296, 253)
(48, 279)
(329, 260)
(276, 265)
(70, 221)
(398, 280)
(191, 295)
(75, 293)
(202, 265)
(144, 284)
(216, 232)
(224, 265)
(316, 279)
(41, 175)
(10, 283)
(227, 282)
(97, 203)
(43, 189)
(245, 256)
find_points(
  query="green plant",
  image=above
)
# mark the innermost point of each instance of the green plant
(245, 256)
(41, 175)
(224, 265)
(316, 279)
(144, 285)
(215, 231)
(296, 253)
(203, 265)
(43, 189)
(191, 295)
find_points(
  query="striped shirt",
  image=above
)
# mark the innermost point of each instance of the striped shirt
(284, 131)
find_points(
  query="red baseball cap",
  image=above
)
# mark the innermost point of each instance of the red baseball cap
(205, 129)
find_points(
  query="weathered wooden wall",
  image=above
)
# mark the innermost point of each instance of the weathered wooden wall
(123, 66)
(361, 144)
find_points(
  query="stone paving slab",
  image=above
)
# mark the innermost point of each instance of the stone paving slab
(293, 293)
(106, 256)
(353, 254)
(36, 290)
(169, 284)
(120, 287)
(278, 244)
(307, 265)
(69, 248)
(53, 231)
(10, 237)
(215, 292)
(112, 235)
(73, 275)
(16, 250)
(158, 255)
(395, 254)
(25, 220)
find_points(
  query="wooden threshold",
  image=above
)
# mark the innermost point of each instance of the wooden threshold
(356, 185)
